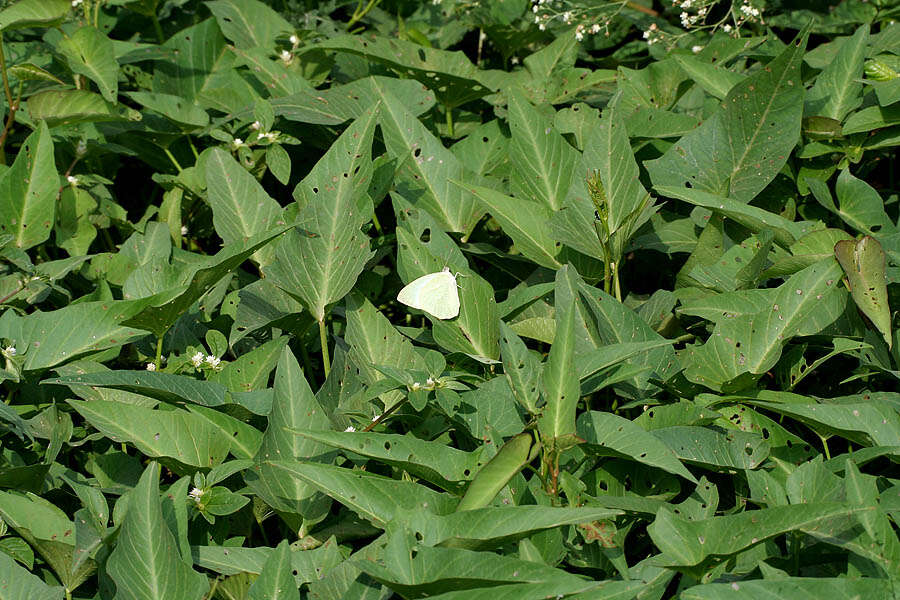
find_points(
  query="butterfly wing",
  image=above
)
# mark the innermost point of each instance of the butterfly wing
(435, 293)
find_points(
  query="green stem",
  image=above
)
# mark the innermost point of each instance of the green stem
(825, 446)
(68, 594)
(158, 28)
(323, 340)
(13, 105)
(360, 12)
(159, 344)
(376, 224)
(172, 158)
(449, 112)
(618, 289)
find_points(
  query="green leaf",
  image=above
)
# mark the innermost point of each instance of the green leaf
(251, 370)
(494, 526)
(609, 433)
(838, 88)
(57, 336)
(712, 448)
(522, 220)
(521, 368)
(740, 267)
(863, 263)
(450, 75)
(374, 497)
(165, 308)
(559, 380)
(307, 565)
(749, 345)
(320, 267)
(867, 421)
(90, 53)
(65, 107)
(861, 206)
(427, 572)
(756, 219)
(442, 465)
(167, 387)
(19, 584)
(686, 542)
(34, 13)
(339, 103)
(426, 169)
(145, 563)
(714, 79)
(28, 191)
(275, 581)
(249, 23)
(608, 150)
(787, 588)
(241, 207)
(50, 532)
(293, 408)
(174, 108)
(179, 434)
(544, 164)
(738, 151)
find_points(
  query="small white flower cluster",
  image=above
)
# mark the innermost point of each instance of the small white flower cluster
(211, 361)
(76, 3)
(151, 366)
(9, 351)
(196, 494)
(73, 181)
(653, 34)
(750, 12)
(286, 56)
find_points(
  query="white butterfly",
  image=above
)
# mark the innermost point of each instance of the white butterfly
(435, 293)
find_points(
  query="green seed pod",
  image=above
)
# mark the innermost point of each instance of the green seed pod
(496, 473)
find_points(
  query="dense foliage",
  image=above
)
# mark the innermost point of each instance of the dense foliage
(672, 228)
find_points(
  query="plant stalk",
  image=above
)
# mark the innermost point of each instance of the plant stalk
(323, 341)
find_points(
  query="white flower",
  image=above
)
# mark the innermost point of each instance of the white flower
(255, 125)
(686, 4)
(195, 494)
(197, 359)
(81, 148)
(151, 366)
(567, 17)
(696, 49)
(9, 351)
(286, 56)
(237, 142)
(514, 60)
(595, 28)
(726, 28)
(184, 230)
(271, 136)
(212, 361)
(294, 40)
(73, 181)
(416, 386)
(75, 3)
(579, 34)
(542, 26)
(350, 428)
(685, 19)
(646, 35)
(534, 8)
